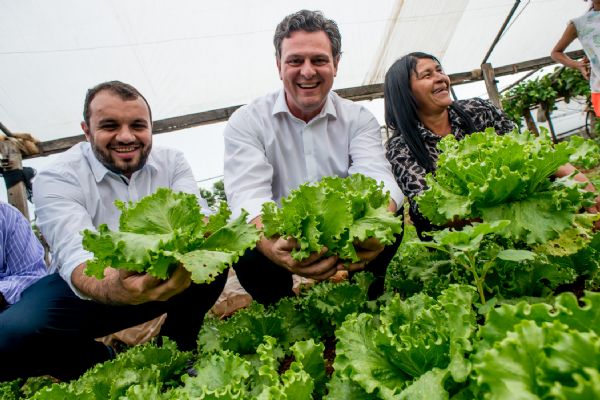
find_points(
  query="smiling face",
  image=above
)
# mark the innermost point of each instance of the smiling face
(119, 131)
(307, 69)
(430, 87)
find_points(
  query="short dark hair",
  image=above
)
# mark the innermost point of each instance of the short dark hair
(124, 90)
(309, 21)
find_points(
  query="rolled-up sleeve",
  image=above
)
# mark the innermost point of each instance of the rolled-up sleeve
(368, 156)
(248, 174)
(61, 217)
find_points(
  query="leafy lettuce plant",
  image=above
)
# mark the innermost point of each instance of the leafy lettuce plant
(409, 351)
(166, 229)
(540, 350)
(226, 375)
(145, 370)
(586, 152)
(465, 249)
(314, 315)
(492, 177)
(497, 266)
(334, 213)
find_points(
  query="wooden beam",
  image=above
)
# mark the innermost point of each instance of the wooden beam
(11, 161)
(57, 145)
(531, 126)
(518, 81)
(490, 84)
(192, 120)
(367, 92)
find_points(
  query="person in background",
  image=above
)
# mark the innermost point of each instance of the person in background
(420, 112)
(52, 329)
(21, 256)
(300, 134)
(586, 28)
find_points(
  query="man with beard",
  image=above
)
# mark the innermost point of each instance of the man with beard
(52, 329)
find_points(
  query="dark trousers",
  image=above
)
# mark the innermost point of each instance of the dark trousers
(267, 282)
(51, 330)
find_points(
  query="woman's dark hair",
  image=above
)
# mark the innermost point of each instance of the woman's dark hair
(401, 107)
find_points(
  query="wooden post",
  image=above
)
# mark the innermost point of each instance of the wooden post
(550, 125)
(490, 84)
(11, 160)
(591, 121)
(531, 126)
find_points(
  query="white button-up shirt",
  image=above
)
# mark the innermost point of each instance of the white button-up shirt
(77, 192)
(269, 152)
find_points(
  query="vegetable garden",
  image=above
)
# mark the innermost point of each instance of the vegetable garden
(506, 307)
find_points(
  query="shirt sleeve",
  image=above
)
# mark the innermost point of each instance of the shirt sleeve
(23, 256)
(248, 175)
(61, 217)
(368, 157)
(184, 181)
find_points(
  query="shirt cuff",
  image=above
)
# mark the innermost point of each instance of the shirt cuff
(395, 193)
(67, 269)
(204, 208)
(253, 207)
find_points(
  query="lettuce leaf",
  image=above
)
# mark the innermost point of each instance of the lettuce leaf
(334, 213)
(410, 349)
(166, 229)
(540, 350)
(586, 152)
(505, 177)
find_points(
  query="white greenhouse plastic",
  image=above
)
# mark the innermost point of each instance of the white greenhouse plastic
(190, 56)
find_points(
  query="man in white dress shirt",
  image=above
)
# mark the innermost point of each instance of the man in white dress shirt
(52, 329)
(300, 134)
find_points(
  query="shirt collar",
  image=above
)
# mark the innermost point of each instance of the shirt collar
(100, 171)
(281, 106)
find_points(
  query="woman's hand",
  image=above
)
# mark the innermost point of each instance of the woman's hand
(584, 67)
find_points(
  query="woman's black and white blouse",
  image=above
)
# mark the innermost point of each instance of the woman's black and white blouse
(411, 176)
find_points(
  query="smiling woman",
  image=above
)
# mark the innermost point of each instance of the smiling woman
(420, 111)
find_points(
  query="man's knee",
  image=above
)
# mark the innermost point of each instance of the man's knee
(20, 326)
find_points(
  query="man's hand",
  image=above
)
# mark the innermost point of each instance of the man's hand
(367, 251)
(126, 287)
(315, 266)
(142, 288)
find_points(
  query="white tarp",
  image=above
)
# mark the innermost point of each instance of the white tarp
(189, 56)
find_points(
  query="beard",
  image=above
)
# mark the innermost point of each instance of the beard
(119, 166)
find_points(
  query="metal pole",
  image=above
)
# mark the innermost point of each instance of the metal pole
(501, 31)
